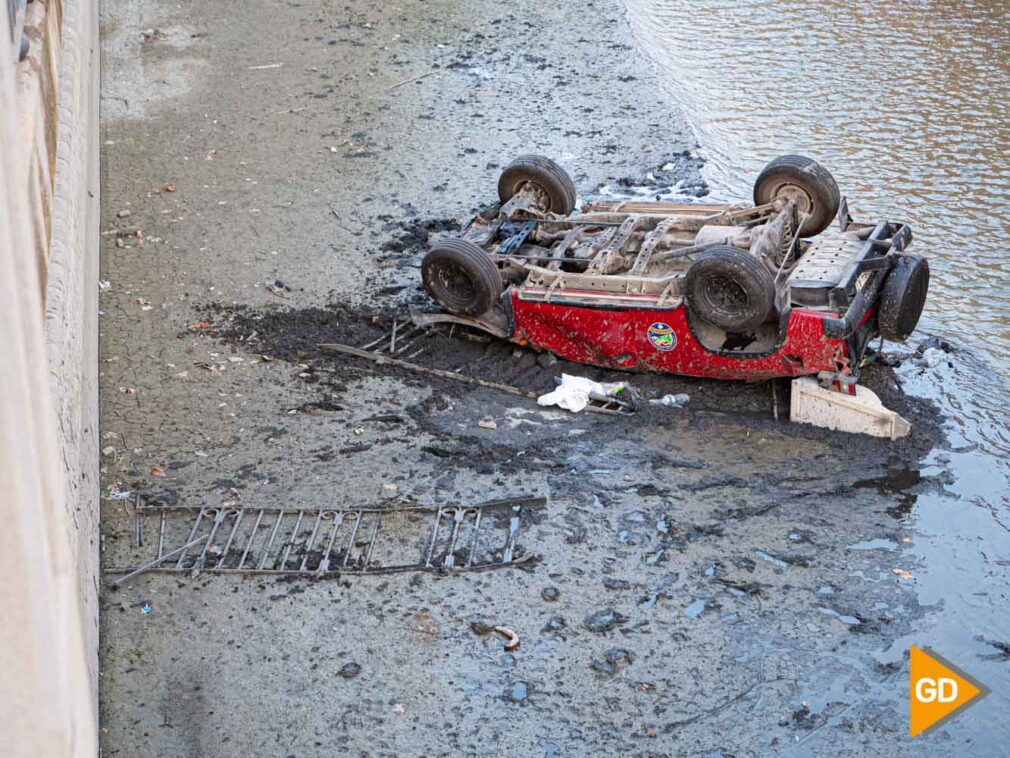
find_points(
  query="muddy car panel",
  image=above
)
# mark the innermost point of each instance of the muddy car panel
(627, 339)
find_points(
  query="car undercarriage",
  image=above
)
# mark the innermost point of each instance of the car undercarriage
(787, 286)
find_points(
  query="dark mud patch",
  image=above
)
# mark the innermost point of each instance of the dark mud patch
(678, 175)
(413, 237)
(295, 336)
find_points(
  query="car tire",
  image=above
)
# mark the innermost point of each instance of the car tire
(809, 182)
(545, 174)
(903, 298)
(461, 277)
(729, 288)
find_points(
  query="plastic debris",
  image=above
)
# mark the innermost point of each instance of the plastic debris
(672, 401)
(862, 413)
(145, 609)
(933, 357)
(573, 392)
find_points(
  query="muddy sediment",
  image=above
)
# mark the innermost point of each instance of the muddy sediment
(296, 336)
(737, 569)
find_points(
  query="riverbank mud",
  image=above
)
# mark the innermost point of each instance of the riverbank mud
(707, 579)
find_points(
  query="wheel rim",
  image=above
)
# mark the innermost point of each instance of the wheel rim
(795, 193)
(453, 282)
(724, 294)
(543, 197)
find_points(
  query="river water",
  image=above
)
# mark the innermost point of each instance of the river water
(906, 103)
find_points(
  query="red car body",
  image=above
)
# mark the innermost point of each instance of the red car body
(620, 338)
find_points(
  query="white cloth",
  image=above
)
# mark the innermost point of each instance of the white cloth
(574, 391)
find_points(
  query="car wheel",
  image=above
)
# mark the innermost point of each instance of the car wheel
(808, 183)
(461, 277)
(729, 288)
(545, 175)
(903, 297)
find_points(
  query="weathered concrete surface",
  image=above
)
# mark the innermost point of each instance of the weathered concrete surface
(748, 564)
(71, 302)
(48, 383)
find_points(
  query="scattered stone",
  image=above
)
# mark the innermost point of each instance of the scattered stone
(845, 618)
(695, 609)
(604, 620)
(576, 535)
(619, 656)
(554, 624)
(124, 213)
(616, 584)
(349, 670)
(518, 693)
(550, 594)
(613, 660)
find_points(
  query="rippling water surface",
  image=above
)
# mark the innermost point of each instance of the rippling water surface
(906, 102)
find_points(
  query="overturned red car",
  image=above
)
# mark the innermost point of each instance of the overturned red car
(788, 286)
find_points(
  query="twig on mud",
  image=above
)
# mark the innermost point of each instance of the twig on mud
(411, 79)
(382, 359)
(724, 704)
(339, 220)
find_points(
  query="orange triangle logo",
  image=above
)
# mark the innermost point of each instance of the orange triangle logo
(938, 690)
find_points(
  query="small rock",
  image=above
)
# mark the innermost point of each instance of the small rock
(616, 584)
(487, 423)
(519, 692)
(618, 656)
(605, 668)
(550, 594)
(612, 661)
(546, 360)
(349, 670)
(124, 213)
(554, 624)
(696, 608)
(604, 620)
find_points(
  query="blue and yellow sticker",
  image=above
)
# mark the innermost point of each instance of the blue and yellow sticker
(662, 337)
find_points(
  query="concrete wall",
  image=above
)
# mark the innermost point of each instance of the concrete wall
(48, 383)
